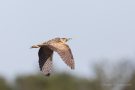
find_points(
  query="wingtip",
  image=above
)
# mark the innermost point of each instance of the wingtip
(72, 68)
(48, 74)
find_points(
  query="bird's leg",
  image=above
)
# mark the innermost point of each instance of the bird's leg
(35, 46)
(38, 45)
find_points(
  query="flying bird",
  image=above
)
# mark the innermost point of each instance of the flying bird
(46, 53)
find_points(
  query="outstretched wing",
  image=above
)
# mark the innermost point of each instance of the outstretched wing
(45, 60)
(65, 53)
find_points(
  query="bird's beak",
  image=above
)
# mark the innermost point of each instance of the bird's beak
(69, 39)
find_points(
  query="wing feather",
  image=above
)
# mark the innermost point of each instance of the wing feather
(65, 53)
(45, 60)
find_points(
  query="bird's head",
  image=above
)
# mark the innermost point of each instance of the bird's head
(64, 40)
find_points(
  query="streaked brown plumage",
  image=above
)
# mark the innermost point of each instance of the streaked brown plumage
(46, 53)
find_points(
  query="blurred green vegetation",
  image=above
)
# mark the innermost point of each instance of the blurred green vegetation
(4, 85)
(61, 81)
(116, 77)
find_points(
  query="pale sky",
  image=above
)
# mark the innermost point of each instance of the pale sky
(99, 28)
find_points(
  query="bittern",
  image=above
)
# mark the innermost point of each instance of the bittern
(46, 53)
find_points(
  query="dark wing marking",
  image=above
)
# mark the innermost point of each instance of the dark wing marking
(65, 53)
(45, 60)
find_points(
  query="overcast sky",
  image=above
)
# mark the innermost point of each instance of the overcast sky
(99, 28)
